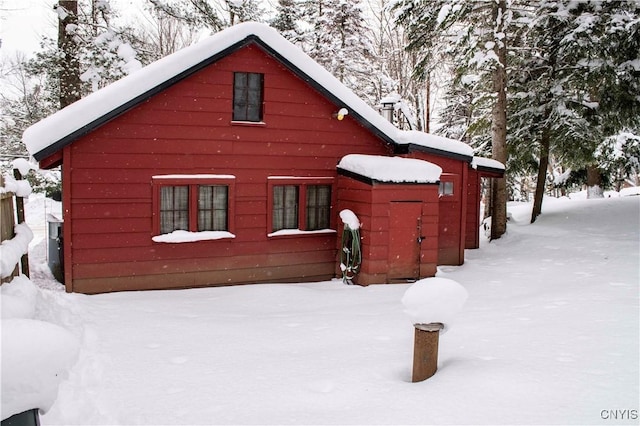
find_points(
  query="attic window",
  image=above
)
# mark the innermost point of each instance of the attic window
(247, 96)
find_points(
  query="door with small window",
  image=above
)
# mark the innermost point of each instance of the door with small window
(450, 220)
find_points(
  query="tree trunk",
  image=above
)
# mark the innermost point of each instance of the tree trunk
(70, 66)
(427, 109)
(594, 182)
(542, 174)
(499, 125)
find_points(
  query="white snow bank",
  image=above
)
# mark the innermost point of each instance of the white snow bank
(391, 169)
(428, 140)
(180, 236)
(18, 298)
(19, 187)
(350, 219)
(36, 357)
(633, 190)
(434, 300)
(12, 250)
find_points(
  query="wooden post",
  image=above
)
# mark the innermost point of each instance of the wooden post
(24, 260)
(425, 351)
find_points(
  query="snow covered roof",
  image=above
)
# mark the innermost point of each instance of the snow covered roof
(487, 164)
(391, 169)
(435, 144)
(54, 132)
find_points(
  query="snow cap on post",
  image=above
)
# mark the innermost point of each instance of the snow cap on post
(350, 219)
(434, 300)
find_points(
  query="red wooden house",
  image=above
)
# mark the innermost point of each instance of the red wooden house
(219, 165)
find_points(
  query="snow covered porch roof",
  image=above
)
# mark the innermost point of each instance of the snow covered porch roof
(488, 167)
(380, 169)
(50, 135)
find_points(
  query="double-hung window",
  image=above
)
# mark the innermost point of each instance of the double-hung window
(174, 208)
(300, 204)
(248, 90)
(285, 207)
(318, 207)
(195, 203)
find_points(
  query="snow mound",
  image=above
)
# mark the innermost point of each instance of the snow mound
(36, 357)
(434, 300)
(19, 298)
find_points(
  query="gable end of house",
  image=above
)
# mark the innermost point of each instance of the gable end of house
(89, 127)
(250, 39)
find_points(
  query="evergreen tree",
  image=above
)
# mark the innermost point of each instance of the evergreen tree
(90, 52)
(604, 37)
(212, 14)
(474, 36)
(575, 84)
(341, 43)
(286, 21)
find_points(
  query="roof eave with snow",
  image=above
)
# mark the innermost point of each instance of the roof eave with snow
(488, 165)
(56, 131)
(53, 133)
(376, 169)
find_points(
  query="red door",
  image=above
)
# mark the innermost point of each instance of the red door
(404, 244)
(450, 220)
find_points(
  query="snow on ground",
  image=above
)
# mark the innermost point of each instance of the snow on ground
(548, 335)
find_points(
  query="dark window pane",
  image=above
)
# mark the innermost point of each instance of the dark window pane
(285, 207)
(212, 208)
(247, 96)
(318, 207)
(446, 188)
(174, 208)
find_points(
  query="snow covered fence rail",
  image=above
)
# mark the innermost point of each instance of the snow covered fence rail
(36, 355)
(14, 239)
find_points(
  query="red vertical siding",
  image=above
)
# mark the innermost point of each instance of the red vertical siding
(453, 212)
(187, 129)
(371, 203)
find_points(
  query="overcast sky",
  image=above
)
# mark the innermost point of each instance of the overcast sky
(23, 23)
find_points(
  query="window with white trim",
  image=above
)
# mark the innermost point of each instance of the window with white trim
(300, 204)
(194, 203)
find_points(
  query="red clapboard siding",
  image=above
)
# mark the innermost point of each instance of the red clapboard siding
(187, 129)
(472, 225)
(372, 203)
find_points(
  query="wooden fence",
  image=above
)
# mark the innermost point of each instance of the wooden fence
(12, 209)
